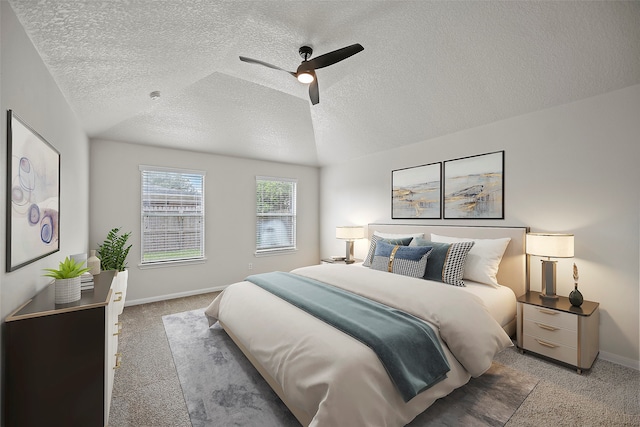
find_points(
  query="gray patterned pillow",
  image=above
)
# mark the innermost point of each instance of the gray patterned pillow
(405, 260)
(446, 263)
(404, 241)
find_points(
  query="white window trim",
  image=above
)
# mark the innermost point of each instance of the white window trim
(279, 251)
(171, 263)
(177, 263)
(169, 169)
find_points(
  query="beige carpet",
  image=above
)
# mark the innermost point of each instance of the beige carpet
(606, 395)
(147, 391)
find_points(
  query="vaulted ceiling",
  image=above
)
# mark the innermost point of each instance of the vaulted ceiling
(428, 68)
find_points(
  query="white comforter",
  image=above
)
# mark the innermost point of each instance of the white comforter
(334, 378)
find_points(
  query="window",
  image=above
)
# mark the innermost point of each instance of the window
(172, 215)
(275, 214)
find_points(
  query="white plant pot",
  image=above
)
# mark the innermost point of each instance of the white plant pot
(67, 290)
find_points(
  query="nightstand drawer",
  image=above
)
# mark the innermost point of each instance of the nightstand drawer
(555, 351)
(551, 317)
(551, 334)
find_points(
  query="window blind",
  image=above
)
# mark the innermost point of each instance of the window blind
(172, 215)
(275, 214)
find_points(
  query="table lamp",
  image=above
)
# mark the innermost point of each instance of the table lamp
(551, 246)
(349, 233)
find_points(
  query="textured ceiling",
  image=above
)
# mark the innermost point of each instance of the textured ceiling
(429, 68)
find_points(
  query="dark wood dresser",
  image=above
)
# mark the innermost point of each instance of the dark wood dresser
(59, 358)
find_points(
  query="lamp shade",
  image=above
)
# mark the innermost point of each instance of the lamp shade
(350, 232)
(550, 245)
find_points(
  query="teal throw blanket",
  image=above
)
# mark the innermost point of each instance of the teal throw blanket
(407, 347)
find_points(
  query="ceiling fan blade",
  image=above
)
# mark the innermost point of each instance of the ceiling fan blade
(335, 56)
(255, 61)
(314, 93)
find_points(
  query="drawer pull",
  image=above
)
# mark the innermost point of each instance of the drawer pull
(119, 297)
(553, 313)
(118, 360)
(546, 344)
(118, 328)
(546, 327)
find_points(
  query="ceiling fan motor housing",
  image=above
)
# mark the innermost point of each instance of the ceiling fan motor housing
(305, 52)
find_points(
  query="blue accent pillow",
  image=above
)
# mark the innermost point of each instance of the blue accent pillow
(407, 260)
(446, 263)
(372, 247)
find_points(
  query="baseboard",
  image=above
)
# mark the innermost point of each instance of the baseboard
(173, 296)
(619, 360)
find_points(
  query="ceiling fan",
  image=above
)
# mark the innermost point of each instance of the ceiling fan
(306, 72)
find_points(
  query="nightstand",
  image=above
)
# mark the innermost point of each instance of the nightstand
(334, 261)
(555, 329)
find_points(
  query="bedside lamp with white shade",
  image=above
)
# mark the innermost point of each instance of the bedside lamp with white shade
(350, 234)
(549, 245)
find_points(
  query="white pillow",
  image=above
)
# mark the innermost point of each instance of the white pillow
(396, 235)
(483, 259)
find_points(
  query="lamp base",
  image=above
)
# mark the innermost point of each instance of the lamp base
(548, 280)
(349, 258)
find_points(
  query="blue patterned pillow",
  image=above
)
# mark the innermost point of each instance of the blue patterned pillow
(446, 263)
(403, 241)
(405, 260)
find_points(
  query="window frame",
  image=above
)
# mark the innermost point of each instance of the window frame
(201, 258)
(293, 215)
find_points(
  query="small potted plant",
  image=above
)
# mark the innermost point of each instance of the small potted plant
(67, 280)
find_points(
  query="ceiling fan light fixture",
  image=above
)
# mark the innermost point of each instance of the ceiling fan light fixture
(306, 72)
(305, 77)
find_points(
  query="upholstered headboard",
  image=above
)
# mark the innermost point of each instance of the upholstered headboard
(513, 267)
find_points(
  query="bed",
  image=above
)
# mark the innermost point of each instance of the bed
(327, 378)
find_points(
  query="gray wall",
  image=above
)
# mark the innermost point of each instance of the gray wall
(572, 168)
(28, 89)
(229, 211)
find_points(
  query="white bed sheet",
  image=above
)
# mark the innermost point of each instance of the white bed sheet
(499, 300)
(334, 378)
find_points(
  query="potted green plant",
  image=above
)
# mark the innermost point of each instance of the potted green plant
(67, 280)
(113, 254)
(114, 250)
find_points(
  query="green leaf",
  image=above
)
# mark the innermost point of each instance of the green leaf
(67, 269)
(112, 252)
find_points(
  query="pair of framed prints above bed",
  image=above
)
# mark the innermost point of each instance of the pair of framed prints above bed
(465, 188)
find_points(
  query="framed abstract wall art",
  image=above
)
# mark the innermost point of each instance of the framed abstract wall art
(416, 192)
(33, 195)
(474, 187)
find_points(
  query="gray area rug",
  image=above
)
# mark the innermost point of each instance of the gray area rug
(222, 388)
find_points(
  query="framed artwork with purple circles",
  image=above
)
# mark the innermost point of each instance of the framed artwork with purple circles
(33, 195)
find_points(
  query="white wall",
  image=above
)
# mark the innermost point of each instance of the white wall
(29, 90)
(572, 168)
(229, 211)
